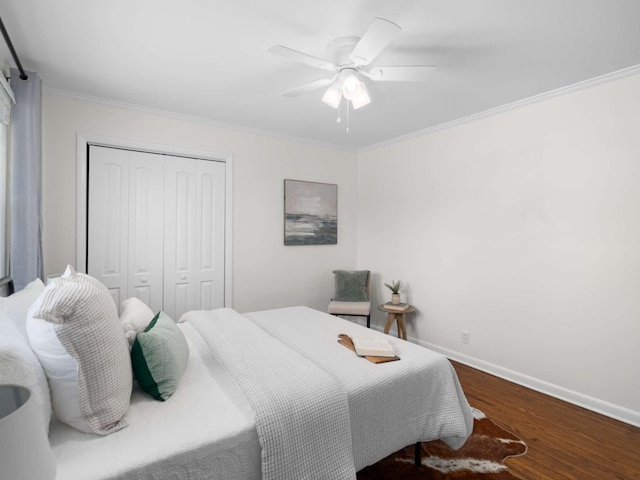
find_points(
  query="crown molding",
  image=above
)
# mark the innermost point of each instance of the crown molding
(191, 118)
(542, 97)
(593, 82)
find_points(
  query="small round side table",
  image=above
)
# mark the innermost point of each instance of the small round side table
(396, 316)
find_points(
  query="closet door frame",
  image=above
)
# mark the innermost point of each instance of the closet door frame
(84, 140)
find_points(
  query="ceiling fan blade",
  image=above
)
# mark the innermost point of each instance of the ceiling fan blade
(407, 73)
(309, 87)
(375, 39)
(300, 57)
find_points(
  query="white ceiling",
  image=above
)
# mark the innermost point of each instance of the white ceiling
(208, 58)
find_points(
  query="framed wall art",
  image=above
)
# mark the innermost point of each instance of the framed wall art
(310, 213)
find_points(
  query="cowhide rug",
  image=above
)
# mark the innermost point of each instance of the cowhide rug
(480, 458)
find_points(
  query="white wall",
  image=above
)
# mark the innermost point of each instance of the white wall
(266, 274)
(524, 229)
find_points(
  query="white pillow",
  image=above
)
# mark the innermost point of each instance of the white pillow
(20, 366)
(74, 329)
(17, 305)
(135, 316)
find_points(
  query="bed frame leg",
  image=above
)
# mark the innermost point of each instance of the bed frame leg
(418, 454)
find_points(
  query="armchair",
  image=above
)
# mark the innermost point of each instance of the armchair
(352, 294)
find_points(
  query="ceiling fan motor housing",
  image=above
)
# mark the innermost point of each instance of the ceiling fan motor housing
(340, 49)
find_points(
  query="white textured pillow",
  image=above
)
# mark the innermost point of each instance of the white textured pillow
(20, 366)
(135, 316)
(17, 305)
(74, 329)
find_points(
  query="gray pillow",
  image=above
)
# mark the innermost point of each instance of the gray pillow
(351, 285)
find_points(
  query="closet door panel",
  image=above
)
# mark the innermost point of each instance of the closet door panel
(108, 219)
(209, 235)
(179, 224)
(146, 230)
(182, 300)
(208, 296)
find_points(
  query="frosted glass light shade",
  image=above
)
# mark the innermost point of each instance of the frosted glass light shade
(25, 453)
(351, 87)
(362, 98)
(333, 95)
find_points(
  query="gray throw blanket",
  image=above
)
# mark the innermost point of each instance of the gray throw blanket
(301, 412)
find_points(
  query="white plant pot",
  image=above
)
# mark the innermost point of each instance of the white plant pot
(395, 298)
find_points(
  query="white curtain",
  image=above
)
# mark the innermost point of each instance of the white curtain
(25, 183)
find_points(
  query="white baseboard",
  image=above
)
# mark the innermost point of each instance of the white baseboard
(594, 404)
(603, 407)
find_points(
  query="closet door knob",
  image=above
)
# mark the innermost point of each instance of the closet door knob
(183, 277)
(143, 279)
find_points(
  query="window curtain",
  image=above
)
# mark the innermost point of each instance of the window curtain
(6, 101)
(25, 182)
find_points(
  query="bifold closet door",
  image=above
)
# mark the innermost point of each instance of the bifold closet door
(194, 235)
(156, 228)
(125, 223)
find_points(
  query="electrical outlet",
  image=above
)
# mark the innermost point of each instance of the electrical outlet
(465, 336)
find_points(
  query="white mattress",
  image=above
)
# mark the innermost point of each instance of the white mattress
(182, 438)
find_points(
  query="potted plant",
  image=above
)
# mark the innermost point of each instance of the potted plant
(395, 290)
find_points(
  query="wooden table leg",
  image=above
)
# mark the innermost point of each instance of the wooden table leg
(402, 328)
(399, 319)
(390, 320)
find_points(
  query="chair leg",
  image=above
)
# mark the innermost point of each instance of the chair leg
(368, 318)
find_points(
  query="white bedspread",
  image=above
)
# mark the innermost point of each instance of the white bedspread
(212, 428)
(204, 431)
(301, 412)
(393, 404)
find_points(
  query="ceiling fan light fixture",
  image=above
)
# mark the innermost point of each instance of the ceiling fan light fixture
(352, 58)
(351, 86)
(333, 95)
(362, 99)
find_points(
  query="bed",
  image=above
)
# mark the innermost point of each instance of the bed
(273, 395)
(390, 405)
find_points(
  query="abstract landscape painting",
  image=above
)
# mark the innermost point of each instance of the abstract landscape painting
(310, 213)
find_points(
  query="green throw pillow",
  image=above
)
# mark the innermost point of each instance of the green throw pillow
(351, 286)
(159, 356)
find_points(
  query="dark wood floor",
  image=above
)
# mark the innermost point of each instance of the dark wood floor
(565, 441)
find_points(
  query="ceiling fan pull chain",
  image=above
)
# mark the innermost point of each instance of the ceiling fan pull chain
(347, 103)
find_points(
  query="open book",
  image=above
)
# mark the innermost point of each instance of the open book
(373, 346)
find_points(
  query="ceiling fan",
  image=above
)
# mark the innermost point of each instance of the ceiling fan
(353, 57)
